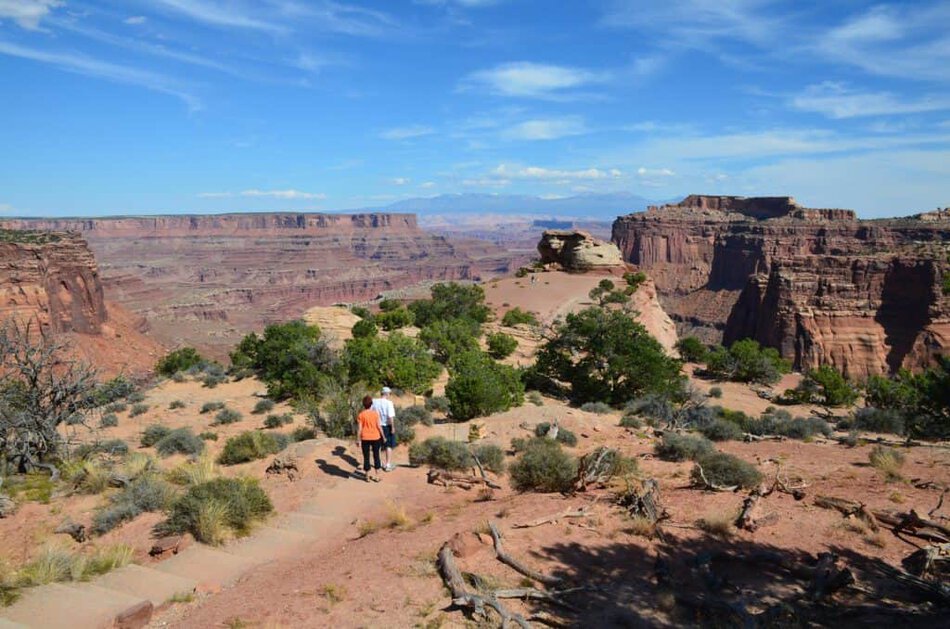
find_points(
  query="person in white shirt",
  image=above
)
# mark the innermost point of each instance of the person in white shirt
(387, 417)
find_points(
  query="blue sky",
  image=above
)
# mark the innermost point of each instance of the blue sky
(139, 106)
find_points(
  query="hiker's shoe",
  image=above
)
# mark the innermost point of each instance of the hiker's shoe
(390, 467)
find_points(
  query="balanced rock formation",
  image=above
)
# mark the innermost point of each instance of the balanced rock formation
(575, 250)
(208, 280)
(50, 280)
(818, 284)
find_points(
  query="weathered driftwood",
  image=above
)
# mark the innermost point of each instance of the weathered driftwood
(596, 467)
(539, 595)
(76, 531)
(910, 523)
(936, 591)
(750, 516)
(705, 484)
(849, 508)
(450, 479)
(510, 561)
(481, 472)
(474, 602)
(568, 513)
(931, 561)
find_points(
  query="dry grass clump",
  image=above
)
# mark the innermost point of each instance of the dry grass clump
(888, 461)
(641, 525)
(53, 565)
(334, 593)
(719, 524)
(195, 472)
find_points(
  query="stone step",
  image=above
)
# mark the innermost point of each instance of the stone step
(270, 543)
(76, 606)
(148, 583)
(207, 566)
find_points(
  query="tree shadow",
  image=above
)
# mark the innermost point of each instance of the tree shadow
(728, 583)
(334, 470)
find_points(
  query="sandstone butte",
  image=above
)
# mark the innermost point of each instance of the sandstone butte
(822, 286)
(51, 282)
(208, 280)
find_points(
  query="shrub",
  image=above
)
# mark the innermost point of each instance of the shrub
(879, 420)
(630, 421)
(677, 447)
(543, 467)
(491, 456)
(179, 360)
(338, 419)
(364, 328)
(725, 470)
(179, 441)
(209, 407)
(147, 493)
(178, 377)
(153, 434)
(605, 356)
(276, 421)
(212, 509)
(596, 407)
(263, 406)
(517, 316)
(251, 445)
(437, 403)
(214, 375)
(441, 453)
(116, 407)
(611, 460)
(138, 409)
(398, 361)
(361, 312)
(721, 430)
(135, 397)
(450, 338)
(887, 460)
(208, 436)
(176, 404)
(109, 420)
(747, 361)
(394, 319)
(303, 433)
(692, 350)
(405, 434)
(535, 398)
(109, 446)
(501, 345)
(227, 416)
(413, 415)
(451, 301)
(715, 392)
(388, 305)
(111, 391)
(656, 407)
(564, 435)
(824, 385)
(781, 423)
(479, 386)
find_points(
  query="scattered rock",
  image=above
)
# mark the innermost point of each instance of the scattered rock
(162, 545)
(484, 538)
(284, 464)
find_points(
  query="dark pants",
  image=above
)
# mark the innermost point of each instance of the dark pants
(374, 446)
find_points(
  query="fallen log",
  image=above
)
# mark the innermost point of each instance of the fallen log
(447, 479)
(828, 578)
(568, 513)
(910, 523)
(931, 561)
(749, 515)
(540, 595)
(511, 562)
(848, 508)
(598, 466)
(463, 598)
(481, 471)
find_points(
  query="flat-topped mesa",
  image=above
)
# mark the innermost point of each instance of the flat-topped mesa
(759, 208)
(277, 223)
(576, 250)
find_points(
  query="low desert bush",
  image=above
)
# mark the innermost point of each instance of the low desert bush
(564, 435)
(517, 316)
(543, 466)
(227, 416)
(138, 409)
(136, 397)
(715, 392)
(873, 419)
(148, 493)
(888, 461)
(677, 447)
(303, 433)
(109, 420)
(437, 403)
(180, 441)
(276, 421)
(596, 407)
(200, 470)
(491, 456)
(176, 404)
(413, 415)
(405, 434)
(721, 430)
(725, 470)
(116, 407)
(216, 509)
(441, 453)
(501, 345)
(208, 436)
(535, 398)
(153, 434)
(263, 406)
(631, 421)
(252, 445)
(114, 447)
(210, 407)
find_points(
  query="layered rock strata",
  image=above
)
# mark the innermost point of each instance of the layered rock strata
(207, 280)
(575, 250)
(818, 284)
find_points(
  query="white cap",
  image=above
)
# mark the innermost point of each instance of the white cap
(387, 390)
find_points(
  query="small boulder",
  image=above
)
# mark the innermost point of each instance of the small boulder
(575, 250)
(169, 543)
(464, 544)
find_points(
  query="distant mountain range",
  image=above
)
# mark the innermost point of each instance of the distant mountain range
(606, 206)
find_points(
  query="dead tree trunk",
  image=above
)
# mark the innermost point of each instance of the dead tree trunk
(463, 598)
(510, 561)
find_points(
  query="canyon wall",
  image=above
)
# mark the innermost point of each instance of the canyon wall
(818, 284)
(208, 280)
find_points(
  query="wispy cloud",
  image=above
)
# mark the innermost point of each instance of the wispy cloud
(274, 194)
(234, 15)
(509, 171)
(89, 66)
(135, 20)
(654, 172)
(406, 133)
(533, 80)
(837, 100)
(546, 129)
(400, 181)
(27, 13)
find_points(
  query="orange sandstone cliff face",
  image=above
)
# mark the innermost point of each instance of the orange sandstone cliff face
(51, 281)
(207, 280)
(820, 285)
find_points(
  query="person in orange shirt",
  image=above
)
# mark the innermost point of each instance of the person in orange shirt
(369, 437)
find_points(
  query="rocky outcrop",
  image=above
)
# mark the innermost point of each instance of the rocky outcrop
(208, 280)
(575, 250)
(818, 284)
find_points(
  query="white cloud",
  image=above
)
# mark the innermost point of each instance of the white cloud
(213, 14)
(654, 172)
(837, 100)
(486, 182)
(89, 66)
(27, 13)
(399, 181)
(427, 185)
(536, 172)
(275, 194)
(695, 23)
(406, 133)
(135, 20)
(546, 129)
(532, 80)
